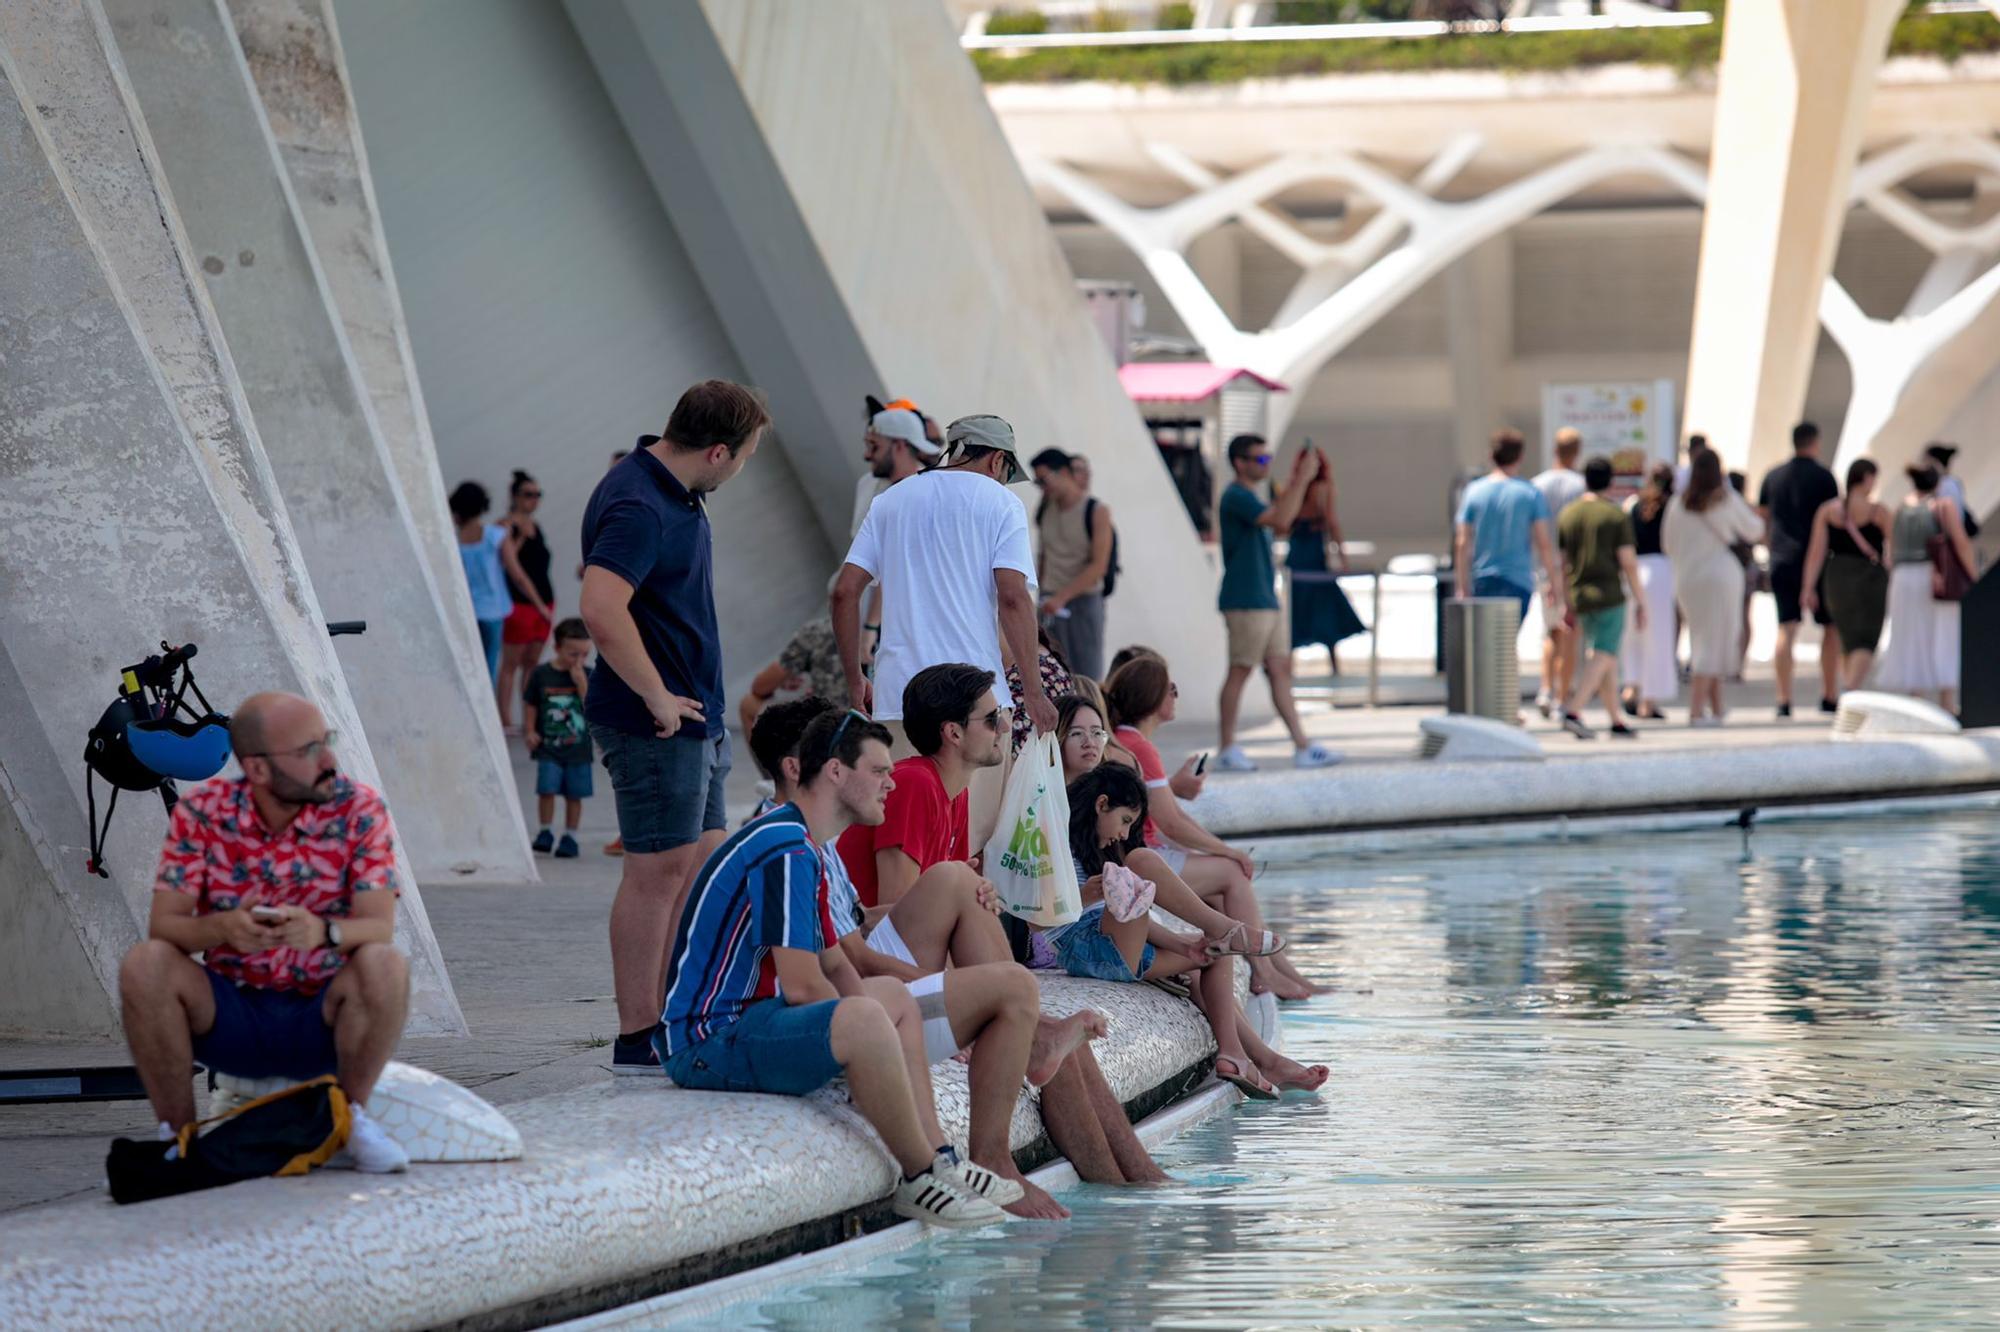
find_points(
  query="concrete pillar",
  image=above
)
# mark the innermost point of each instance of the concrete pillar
(174, 533)
(1791, 102)
(293, 50)
(911, 200)
(1479, 331)
(426, 703)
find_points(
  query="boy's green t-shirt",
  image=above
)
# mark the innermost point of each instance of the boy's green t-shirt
(558, 716)
(1591, 531)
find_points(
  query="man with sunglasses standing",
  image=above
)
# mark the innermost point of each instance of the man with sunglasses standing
(1258, 632)
(284, 880)
(950, 549)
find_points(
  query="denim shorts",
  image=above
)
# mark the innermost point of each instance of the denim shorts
(1489, 586)
(669, 791)
(266, 1033)
(563, 779)
(1085, 950)
(774, 1047)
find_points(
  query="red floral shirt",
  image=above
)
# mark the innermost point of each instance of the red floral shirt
(219, 853)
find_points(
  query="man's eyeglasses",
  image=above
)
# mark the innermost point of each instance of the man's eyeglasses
(312, 749)
(1097, 733)
(1173, 689)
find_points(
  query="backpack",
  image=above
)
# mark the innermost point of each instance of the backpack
(1111, 570)
(286, 1133)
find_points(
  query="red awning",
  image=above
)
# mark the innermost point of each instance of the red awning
(1183, 381)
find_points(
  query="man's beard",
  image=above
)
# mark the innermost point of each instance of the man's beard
(883, 467)
(300, 793)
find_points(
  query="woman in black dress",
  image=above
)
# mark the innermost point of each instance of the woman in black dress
(525, 557)
(1321, 612)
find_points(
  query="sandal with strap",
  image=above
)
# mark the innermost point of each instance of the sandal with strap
(1239, 942)
(1241, 1078)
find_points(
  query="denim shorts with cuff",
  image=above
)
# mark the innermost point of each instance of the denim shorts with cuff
(266, 1033)
(774, 1047)
(1085, 950)
(669, 791)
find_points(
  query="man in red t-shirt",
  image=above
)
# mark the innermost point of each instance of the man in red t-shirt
(284, 880)
(948, 714)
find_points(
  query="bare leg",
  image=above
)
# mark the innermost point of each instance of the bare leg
(545, 809)
(1278, 670)
(1274, 1066)
(871, 1051)
(1134, 1161)
(1551, 677)
(1607, 688)
(572, 814)
(166, 1001)
(1859, 663)
(994, 1008)
(1174, 895)
(1070, 1116)
(940, 917)
(366, 1005)
(1221, 881)
(1230, 704)
(1566, 654)
(1218, 1005)
(1783, 662)
(643, 915)
(1829, 662)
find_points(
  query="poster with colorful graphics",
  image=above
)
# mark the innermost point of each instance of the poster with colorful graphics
(1629, 421)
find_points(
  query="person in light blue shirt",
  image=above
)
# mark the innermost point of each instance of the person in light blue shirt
(1503, 528)
(479, 550)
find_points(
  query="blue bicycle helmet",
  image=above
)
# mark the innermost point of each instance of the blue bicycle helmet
(187, 751)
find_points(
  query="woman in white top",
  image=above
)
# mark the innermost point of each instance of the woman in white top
(1702, 525)
(1922, 658)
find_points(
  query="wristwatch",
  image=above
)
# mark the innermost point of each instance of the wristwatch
(333, 934)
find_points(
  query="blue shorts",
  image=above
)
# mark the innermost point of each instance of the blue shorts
(774, 1047)
(563, 779)
(669, 791)
(1490, 586)
(266, 1033)
(1085, 950)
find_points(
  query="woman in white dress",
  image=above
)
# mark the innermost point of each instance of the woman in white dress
(1646, 662)
(1922, 656)
(1701, 527)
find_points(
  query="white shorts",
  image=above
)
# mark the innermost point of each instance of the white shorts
(1175, 856)
(928, 991)
(884, 939)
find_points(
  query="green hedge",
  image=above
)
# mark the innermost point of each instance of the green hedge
(1947, 36)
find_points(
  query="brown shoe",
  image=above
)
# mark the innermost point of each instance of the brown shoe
(615, 847)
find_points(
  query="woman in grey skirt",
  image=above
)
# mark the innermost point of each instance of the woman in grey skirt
(1850, 544)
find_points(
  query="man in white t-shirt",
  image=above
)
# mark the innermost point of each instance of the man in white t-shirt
(1561, 486)
(950, 549)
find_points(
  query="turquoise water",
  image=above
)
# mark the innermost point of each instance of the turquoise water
(1693, 1079)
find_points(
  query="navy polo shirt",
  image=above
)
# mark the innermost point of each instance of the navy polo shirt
(645, 526)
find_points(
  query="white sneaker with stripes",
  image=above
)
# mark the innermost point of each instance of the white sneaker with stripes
(940, 1197)
(996, 1189)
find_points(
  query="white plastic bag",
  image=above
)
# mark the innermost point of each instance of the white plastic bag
(1028, 859)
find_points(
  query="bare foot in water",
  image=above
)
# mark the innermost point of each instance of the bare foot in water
(1288, 1075)
(1034, 1204)
(1267, 979)
(1056, 1039)
(1291, 973)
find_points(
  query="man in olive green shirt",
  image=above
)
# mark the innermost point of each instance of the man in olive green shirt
(1597, 546)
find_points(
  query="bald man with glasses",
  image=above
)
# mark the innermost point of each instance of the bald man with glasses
(284, 880)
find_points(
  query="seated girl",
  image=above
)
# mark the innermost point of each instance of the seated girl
(1105, 804)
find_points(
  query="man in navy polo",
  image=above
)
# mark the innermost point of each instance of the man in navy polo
(655, 704)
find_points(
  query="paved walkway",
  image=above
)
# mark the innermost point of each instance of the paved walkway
(531, 965)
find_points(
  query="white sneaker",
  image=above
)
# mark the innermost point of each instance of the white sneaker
(940, 1197)
(1233, 759)
(996, 1189)
(167, 1134)
(369, 1148)
(1316, 756)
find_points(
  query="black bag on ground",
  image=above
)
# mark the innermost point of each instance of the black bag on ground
(286, 1133)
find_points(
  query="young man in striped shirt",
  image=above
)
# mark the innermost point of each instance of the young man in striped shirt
(760, 997)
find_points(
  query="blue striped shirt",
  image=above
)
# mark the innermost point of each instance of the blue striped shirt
(764, 888)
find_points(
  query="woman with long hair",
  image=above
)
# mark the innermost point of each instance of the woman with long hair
(1700, 534)
(1321, 612)
(1922, 656)
(1849, 543)
(1105, 804)
(525, 557)
(1648, 664)
(479, 545)
(1142, 695)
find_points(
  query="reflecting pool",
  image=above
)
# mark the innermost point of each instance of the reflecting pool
(1689, 1079)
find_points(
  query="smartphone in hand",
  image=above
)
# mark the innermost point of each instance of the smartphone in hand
(1201, 764)
(267, 915)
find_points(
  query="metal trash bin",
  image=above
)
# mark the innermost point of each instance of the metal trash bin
(1482, 665)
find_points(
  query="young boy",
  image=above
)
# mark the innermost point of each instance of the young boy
(558, 738)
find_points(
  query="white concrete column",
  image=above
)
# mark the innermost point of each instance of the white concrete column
(924, 222)
(1792, 99)
(293, 50)
(139, 507)
(426, 704)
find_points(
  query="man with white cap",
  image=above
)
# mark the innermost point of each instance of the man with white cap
(899, 442)
(950, 549)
